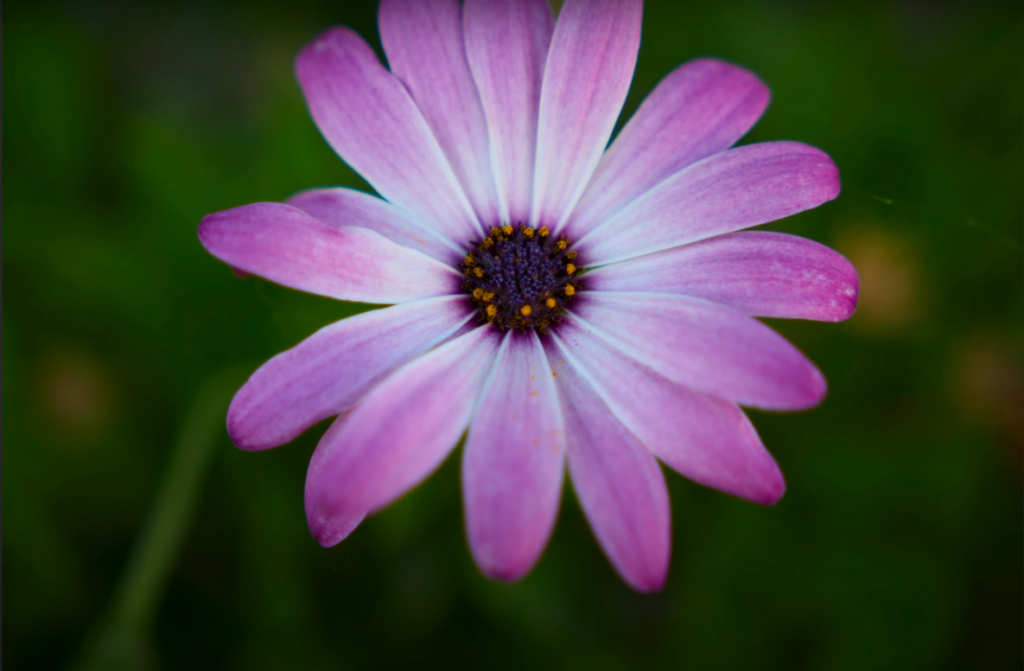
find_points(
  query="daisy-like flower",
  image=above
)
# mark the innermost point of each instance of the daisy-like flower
(556, 302)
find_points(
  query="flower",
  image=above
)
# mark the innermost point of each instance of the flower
(556, 302)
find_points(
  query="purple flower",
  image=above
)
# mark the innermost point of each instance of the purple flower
(561, 302)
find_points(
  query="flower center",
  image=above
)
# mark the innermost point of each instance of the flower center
(521, 278)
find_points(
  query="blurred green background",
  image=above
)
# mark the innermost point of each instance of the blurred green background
(897, 546)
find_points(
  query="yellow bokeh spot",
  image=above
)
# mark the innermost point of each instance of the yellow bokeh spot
(526, 310)
(551, 303)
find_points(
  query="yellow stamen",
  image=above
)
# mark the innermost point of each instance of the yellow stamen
(496, 232)
(527, 233)
(506, 229)
(570, 290)
(488, 295)
(488, 242)
(569, 268)
(560, 245)
(571, 255)
(470, 261)
(551, 303)
(492, 310)
(479, 272)
(526, 310)
(544, 231)
(478, 293)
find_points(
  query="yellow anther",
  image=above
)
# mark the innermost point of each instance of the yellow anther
(470, 260)
(560, 245)
(492, 310)
(544, 231)
(478, 293)
(527, 233)
(495, 231)
(571, 255)
(570, 290)
(488, 295)
(488, 242)
(569, 268)
(506, 229)
(526, 310)
(479, 272)
(551, 303)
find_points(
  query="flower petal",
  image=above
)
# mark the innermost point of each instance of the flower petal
(736, 189)
(369, 118)
(424, 44)
(403, 430)
(700, 109)
(707, 439)
(326, 529)
(586, 78)
(328, 372)
(617, 480)
(704, 346)
(287, 246)
(507, 45)
(761, 273)
(513, 462)
(345, 207)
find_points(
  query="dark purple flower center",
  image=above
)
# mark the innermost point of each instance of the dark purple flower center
(521, 278)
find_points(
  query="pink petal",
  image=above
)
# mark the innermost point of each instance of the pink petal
(328, 530)
(507, 45)
(704, 346)
(403, 430)
(331, 370)
(513, 461)
(424, 44)
(586, 78)
(742, 187)
(345, 207)
(369, 118)
(707, 439)
(287, 246)
(617, 480)
(700, 109)
(763, 274)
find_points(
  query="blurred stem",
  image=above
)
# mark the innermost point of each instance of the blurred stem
(122, 639)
